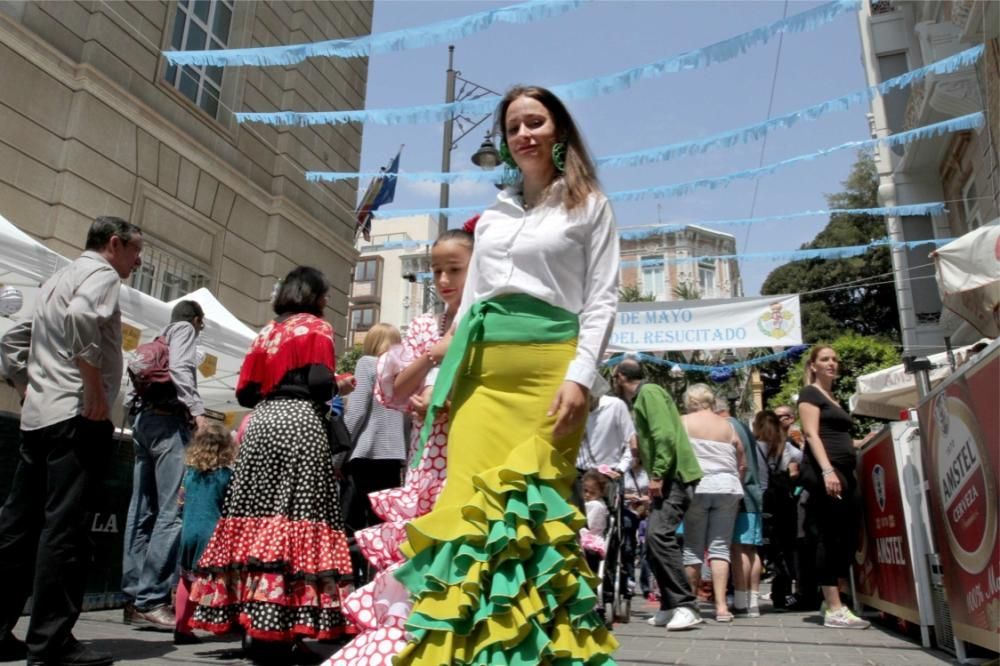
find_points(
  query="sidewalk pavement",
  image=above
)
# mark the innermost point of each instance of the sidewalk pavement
(774, 638)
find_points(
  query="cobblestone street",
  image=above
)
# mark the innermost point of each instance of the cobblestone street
(775, 638)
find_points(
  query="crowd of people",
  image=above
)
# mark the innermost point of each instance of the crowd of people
(442, 505)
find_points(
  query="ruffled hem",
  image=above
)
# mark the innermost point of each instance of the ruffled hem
(501, 580)
(416, 497)
(269, 606)
(276, 543)
(379, 612)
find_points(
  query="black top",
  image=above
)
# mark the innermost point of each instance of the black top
(834, 429)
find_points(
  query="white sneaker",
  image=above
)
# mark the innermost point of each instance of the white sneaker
(842, 618)
(661, 618)
(684, 618)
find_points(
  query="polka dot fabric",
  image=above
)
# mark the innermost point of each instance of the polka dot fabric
(277, 562)
(379, 610)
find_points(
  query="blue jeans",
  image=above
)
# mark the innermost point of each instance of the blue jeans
(153, 527)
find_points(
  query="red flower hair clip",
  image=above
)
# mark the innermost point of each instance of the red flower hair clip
(470, 225)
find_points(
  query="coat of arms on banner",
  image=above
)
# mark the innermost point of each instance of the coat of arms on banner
(776, 321)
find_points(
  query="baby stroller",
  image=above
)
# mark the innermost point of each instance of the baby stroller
(616, 569)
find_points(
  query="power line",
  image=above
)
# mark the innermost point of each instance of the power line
(763, 145)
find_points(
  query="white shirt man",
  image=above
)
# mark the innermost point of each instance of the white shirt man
(609, 438)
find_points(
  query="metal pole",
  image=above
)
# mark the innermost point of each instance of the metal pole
(449, 97)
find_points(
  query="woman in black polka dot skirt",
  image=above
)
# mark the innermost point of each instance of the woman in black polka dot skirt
(277, 563)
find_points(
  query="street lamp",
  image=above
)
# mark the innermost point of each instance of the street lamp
(487, 156)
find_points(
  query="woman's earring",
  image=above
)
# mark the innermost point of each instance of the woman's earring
(511, 173)
(559, 156)
(506, 157)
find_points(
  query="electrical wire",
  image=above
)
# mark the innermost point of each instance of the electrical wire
(763, 144)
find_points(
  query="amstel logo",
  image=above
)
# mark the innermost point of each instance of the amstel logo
(965, 482)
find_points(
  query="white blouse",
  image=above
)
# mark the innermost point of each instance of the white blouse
(567, 259)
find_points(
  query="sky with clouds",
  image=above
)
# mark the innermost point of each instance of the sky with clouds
(607, 36)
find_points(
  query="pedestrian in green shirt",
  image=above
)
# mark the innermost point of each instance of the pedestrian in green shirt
(673, 469)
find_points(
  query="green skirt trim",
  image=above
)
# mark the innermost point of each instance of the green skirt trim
(501, 580)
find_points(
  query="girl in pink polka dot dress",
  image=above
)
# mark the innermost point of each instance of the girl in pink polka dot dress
(405, 378)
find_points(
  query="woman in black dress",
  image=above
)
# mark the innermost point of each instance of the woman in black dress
(833, 507)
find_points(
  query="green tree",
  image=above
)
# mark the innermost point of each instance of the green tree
(858, 355)
(349, 359)
(631, 293)
(685, 291)
(853, 294)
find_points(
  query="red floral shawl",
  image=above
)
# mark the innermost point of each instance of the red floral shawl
(301, 340)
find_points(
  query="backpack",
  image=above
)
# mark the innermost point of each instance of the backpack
(149, 371)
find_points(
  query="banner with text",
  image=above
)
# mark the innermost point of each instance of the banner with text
(960, 433)
(768, 321)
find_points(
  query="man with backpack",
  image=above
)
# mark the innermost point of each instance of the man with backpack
(165, 407)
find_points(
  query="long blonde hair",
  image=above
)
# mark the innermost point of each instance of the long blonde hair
(379, 338)
(580, 175)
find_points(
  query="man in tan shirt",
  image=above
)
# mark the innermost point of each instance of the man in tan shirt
(67, 363)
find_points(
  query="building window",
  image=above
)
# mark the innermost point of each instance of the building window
(366, 270)
(363, 317)
(200, 24)
(166, 276)
(970, 203)
(652, 280)
(706, 279)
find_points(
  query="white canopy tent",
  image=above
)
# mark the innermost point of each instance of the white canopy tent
(968, 273)
(885, 393)
(25, 264)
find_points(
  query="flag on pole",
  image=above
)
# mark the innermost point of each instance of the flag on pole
(381, 190)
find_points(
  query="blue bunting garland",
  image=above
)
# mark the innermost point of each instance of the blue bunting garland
(934, 208)
(791, 353)
(791, 255)
(366, 45)
(602, 85)
(962, 123)
(780, 255)
(970, 121)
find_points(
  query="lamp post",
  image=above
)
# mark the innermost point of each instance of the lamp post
(487, 156)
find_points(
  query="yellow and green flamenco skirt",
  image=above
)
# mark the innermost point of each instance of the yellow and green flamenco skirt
(495, 570)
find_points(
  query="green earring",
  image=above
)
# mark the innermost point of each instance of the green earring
(506, 157)
(559, 156)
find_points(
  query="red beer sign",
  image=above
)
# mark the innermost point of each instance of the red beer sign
(960, 429)
(883, 565)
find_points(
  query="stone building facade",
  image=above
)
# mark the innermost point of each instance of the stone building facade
(94, 121)
(647, 264)
(962, 169)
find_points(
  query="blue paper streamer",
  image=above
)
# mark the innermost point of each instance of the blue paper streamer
(366, 45)
(933, 208)
(962, 123)
(451, 211)
(694, 367)
(758, 131)
(970, 121)
(791, 255)
(601, 85)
